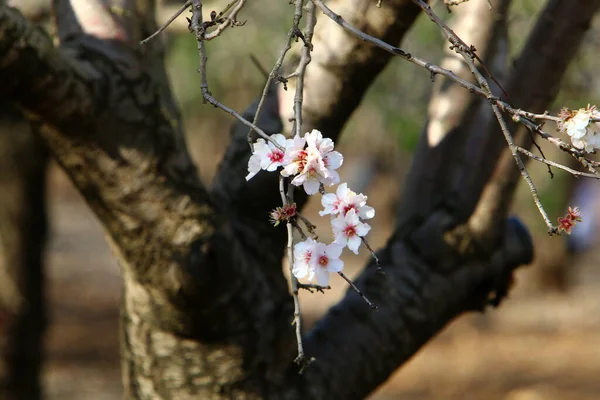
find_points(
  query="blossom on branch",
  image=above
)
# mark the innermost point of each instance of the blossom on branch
(345, 200)
(584, 133)
(574, 214)
(348, 230)
(266, 155)
(311, 160)
(567, 222)
(314, 164)
(314, 259)
(281, 214)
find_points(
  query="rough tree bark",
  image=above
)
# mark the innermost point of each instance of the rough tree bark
(23, 160)
(206, 309)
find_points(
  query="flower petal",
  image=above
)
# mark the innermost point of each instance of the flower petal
(366, 212)
(311, 186)
(362, 229)
(335, 265)
(354, 244)
(333, 250)
(322, 276)
(253, 166)
(334, 160)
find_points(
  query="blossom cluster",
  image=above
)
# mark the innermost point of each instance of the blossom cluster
(347, 209)
(311, 161)
(567, 222)
(581, 127)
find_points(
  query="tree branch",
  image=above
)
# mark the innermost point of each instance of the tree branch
(425, 287)
(341, 70)
(55, 89)
(452, 135)
(344, 66)
(533, 84)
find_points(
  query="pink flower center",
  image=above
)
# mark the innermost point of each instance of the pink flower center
(307, 256)
(350, 207)
(336, 204)
(323, 261)
(276, 156)
(350, 231)
(565, 224)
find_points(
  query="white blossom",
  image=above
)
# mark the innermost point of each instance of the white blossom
(584, 133)
(313, 173)
(314, 164)
(314, 259)
(295, 156)
(345, 200)
(303, 266)
(348, 230)
(266, 155)
(332, 159)
(327, 259)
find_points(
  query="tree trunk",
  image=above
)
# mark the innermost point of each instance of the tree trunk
(23, 161)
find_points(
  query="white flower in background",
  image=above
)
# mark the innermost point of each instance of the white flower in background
(314, 164)
(266, 155)
(345, 200)
(326, 260)
(348, 230)
(315, 259)
(584, 133)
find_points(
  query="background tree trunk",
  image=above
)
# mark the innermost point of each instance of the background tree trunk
(23, 161)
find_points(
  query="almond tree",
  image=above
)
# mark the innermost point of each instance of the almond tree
(206, 309)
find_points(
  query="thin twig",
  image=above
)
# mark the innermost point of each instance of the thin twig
(311, 287)
(259, 66)
(377, 263)
(518, 115)
(230, 20)
(301, 359)
(357, 290)
(533, 116)
(275, 71)
(467, 52)
(169, 21)
(309, 225)
(198, 29)
(305, 59)
(555, 164)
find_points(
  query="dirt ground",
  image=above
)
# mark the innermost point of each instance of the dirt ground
(536, 346)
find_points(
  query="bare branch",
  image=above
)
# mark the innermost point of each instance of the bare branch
(198, 28)
(275, 71)
(452, 136)
(339, 75)
(555, 164)
(168, 22)
(532, 85)
(344, 66)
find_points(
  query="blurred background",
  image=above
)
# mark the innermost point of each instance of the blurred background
(542, 343)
